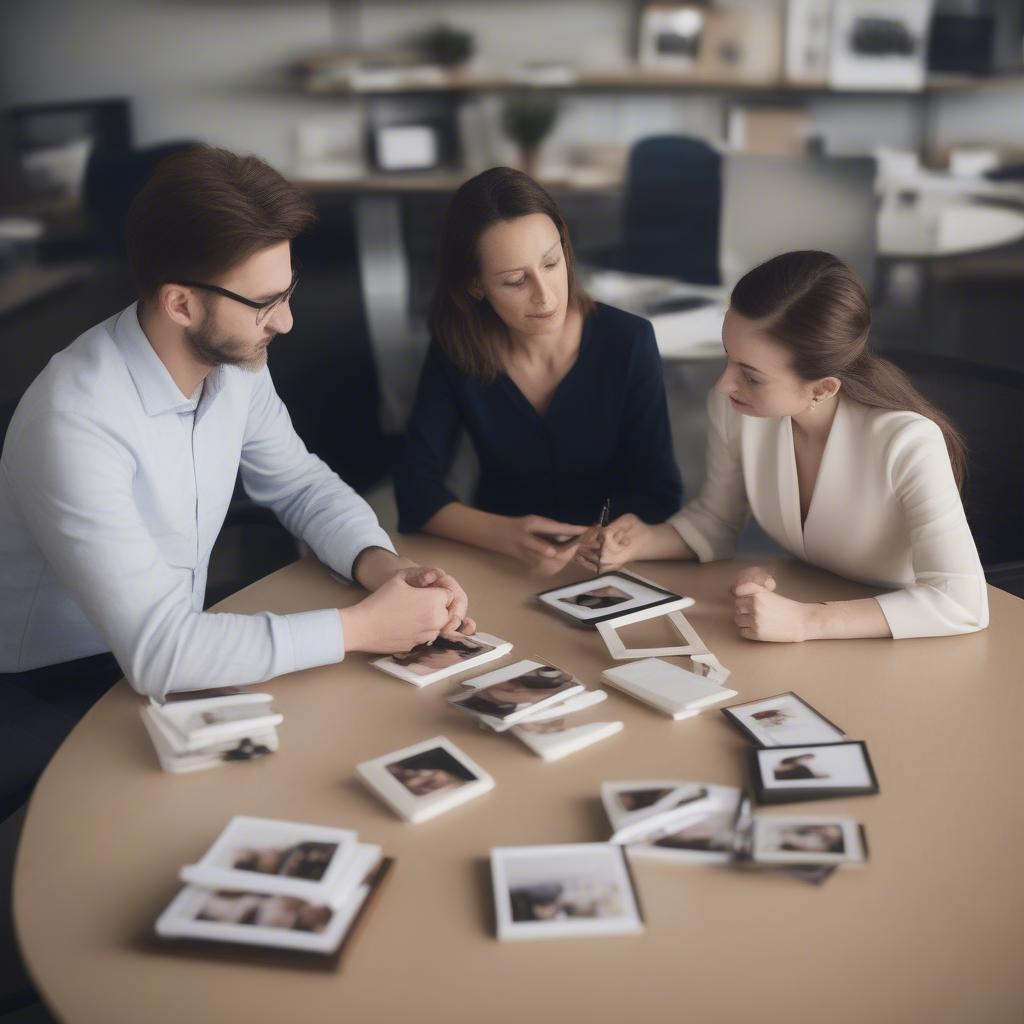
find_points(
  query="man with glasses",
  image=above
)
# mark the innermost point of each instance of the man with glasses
(121, 459)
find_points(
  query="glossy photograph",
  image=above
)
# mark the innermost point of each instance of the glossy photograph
(549, 892)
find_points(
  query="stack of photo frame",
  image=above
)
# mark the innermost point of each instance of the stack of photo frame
(447, 655)
(693, 822)
(544, 707)
(291, 889)
(671, 689)
(798, 754)
(190, 735)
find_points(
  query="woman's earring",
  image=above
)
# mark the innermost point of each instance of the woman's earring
(814, 405)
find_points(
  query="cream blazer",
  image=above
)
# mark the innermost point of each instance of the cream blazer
(885, 510)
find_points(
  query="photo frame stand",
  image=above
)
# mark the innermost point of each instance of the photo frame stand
(693, 647)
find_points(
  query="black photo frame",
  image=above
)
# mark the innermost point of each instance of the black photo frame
(737, 722)
(590, 622)
(776, 790)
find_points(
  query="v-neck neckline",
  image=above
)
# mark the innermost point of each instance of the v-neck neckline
(559, 387)
(800, 522)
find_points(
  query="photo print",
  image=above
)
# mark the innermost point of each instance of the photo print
(784, 720)
(426, 779)
(446, 656)
(507, 695)
(549, 892)
(281, 858)
(801, 840)
(814, 771)
(431, 771)
(605, 597)
(238, 917)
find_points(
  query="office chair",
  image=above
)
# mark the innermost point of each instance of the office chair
(985, 404)
(672, 209)
(112, 180)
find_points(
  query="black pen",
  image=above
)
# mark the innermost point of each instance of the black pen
(602, 522)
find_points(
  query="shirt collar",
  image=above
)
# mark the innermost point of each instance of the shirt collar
(157, 390)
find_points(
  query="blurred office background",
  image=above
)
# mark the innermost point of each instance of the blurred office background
(685, 142)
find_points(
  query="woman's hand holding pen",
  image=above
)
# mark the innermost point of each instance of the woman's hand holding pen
(602, 549)
(544, 544)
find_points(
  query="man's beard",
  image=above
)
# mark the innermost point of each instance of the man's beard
(211, 347)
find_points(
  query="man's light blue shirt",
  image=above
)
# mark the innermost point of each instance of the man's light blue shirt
(113, 488)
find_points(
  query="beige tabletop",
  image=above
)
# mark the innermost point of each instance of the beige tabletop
(932, 930)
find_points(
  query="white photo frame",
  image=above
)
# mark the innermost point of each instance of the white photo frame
(694, 646)
(429, 663)
(803, 840)
(656, 802)
(182, 920)
(284, 858)
(425, 780)
(483, 697)
(705, 833)
(564, 891)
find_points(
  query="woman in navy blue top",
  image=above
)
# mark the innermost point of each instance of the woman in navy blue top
(562, 398)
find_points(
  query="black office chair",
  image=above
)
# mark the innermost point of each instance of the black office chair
(672, 211)
(987, 405)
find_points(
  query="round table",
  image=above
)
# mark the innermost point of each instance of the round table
(930, 931)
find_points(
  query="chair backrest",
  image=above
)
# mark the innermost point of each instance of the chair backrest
(672, 208)
(112, 180)
(775, 204)
(985, 404)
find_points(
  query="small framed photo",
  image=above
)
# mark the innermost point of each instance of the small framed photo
(274, 922)
(784, 720)
(637, 808)
(446, 656)
(515, 692)
(426, 779)
(818, 771)
(818, 841)
(308, 862)
(605, 597)
(568, 891)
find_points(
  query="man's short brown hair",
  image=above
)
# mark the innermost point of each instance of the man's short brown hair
(205, 210)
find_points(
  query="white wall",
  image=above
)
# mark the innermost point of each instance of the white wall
(214, 70)
(210, 71)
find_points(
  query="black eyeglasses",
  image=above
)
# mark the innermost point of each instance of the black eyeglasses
(264, 309)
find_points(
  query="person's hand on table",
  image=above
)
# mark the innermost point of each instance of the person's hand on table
(458, 603)
(396, 617)
(761, 614)
(603, 549)
(546, 545)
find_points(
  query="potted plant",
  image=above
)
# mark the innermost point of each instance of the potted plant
(527, 118)
(450, 47)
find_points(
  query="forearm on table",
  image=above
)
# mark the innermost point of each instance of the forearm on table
(846, 620)
(663, 542)
(457, 521)
(375, 566)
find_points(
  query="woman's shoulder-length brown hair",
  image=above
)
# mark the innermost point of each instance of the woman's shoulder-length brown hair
(468, 330)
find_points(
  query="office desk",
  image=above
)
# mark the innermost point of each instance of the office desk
(930, 931)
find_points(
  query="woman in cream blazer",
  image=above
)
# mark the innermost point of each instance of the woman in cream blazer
(842, 462)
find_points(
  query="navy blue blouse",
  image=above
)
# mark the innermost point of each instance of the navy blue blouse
(605, 434)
